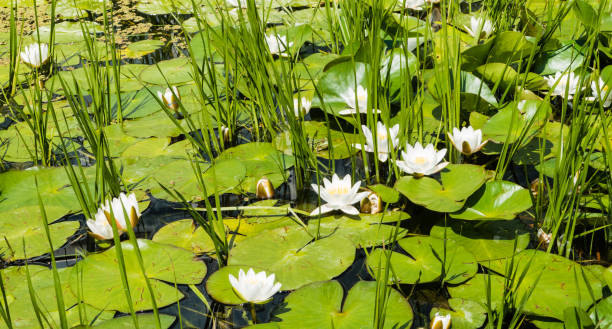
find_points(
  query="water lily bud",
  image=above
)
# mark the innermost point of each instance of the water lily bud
(35, 55)
(257, 288)
(41, 83)
(440, 321)
(265, 190)
(225, 134)
(170, 98)
(467, 140)
(544, 238)
(372, 204)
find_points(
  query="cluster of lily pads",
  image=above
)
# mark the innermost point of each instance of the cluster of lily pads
(335, 164)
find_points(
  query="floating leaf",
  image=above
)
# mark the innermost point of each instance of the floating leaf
(319, 305)
(424, 264)
(486, 240)
(495, 200)
(294, 256)
(448, 196)
(465, 314)
(184, 234)
(98, 278)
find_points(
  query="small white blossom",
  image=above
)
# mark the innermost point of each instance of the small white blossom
(254, 287)
(339, 195)
(382, 140)
(35, 55)
(562, 83)
(479, 27)
(421, 161)
(467, 140)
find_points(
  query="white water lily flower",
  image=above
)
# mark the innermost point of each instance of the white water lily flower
(170, 97)
(562, 82)
(100, 228)
(35, 55)
(278, 44)
(301, 106)
(601, 92)
(236, 3)
(441, 321)
(421, 161)
(254, 287)
(339, 195)
(479, 27)
(382, 140)
(467, 140)
(353, 102)
(120, 206)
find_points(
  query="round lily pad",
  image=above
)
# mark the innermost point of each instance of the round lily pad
(425, 263)
(99, 280)
(486, 240)
(169, 72)
(22, 233)
(495, 200)
(184, 234)
(465, 313)
(20, 300)
(364, 232)
(144, 321)
(294, 256)
(458, 183)
(557, 283)
(219, 287)
(320, 305)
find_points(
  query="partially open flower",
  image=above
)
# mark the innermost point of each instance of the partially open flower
(382, 140)
(236, 3)
(254, 287)
(264, 190)
(224, 133)
(117, 208)
(601, 93)
(278, 44)
(544, 238)
(467, 140)
(100, 227)
(479, 27)
(35, 55)
(170, 98)
(339, 195)
(301, 106)
(372, 204)
(420, 161)
(356, 101)
(441, 321)
(562, 83)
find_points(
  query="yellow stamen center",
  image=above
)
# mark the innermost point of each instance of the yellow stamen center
(420, 160)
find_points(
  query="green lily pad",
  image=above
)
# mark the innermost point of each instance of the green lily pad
(488, 240)
(317, 134)
(142, 48)
(19, 190)
(20, 301)
(144, 321)
(221, 178)
(171, 71)
(478, 287)
(219, 287)
(458, 183)
(508, 124)
(260, 159)
(425, 261)
(99, 280)
(184, 234)
(364, 232)
(557, 283)
(465, 314)
(319, 305)
(386, 194)
(600, 314)
(294, 256)
(495, 200)
(507, 47)
(475, 94)
(23, 234)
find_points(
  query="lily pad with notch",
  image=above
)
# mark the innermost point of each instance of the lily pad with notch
(294, 255)
(458, 183)
(423, 261)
